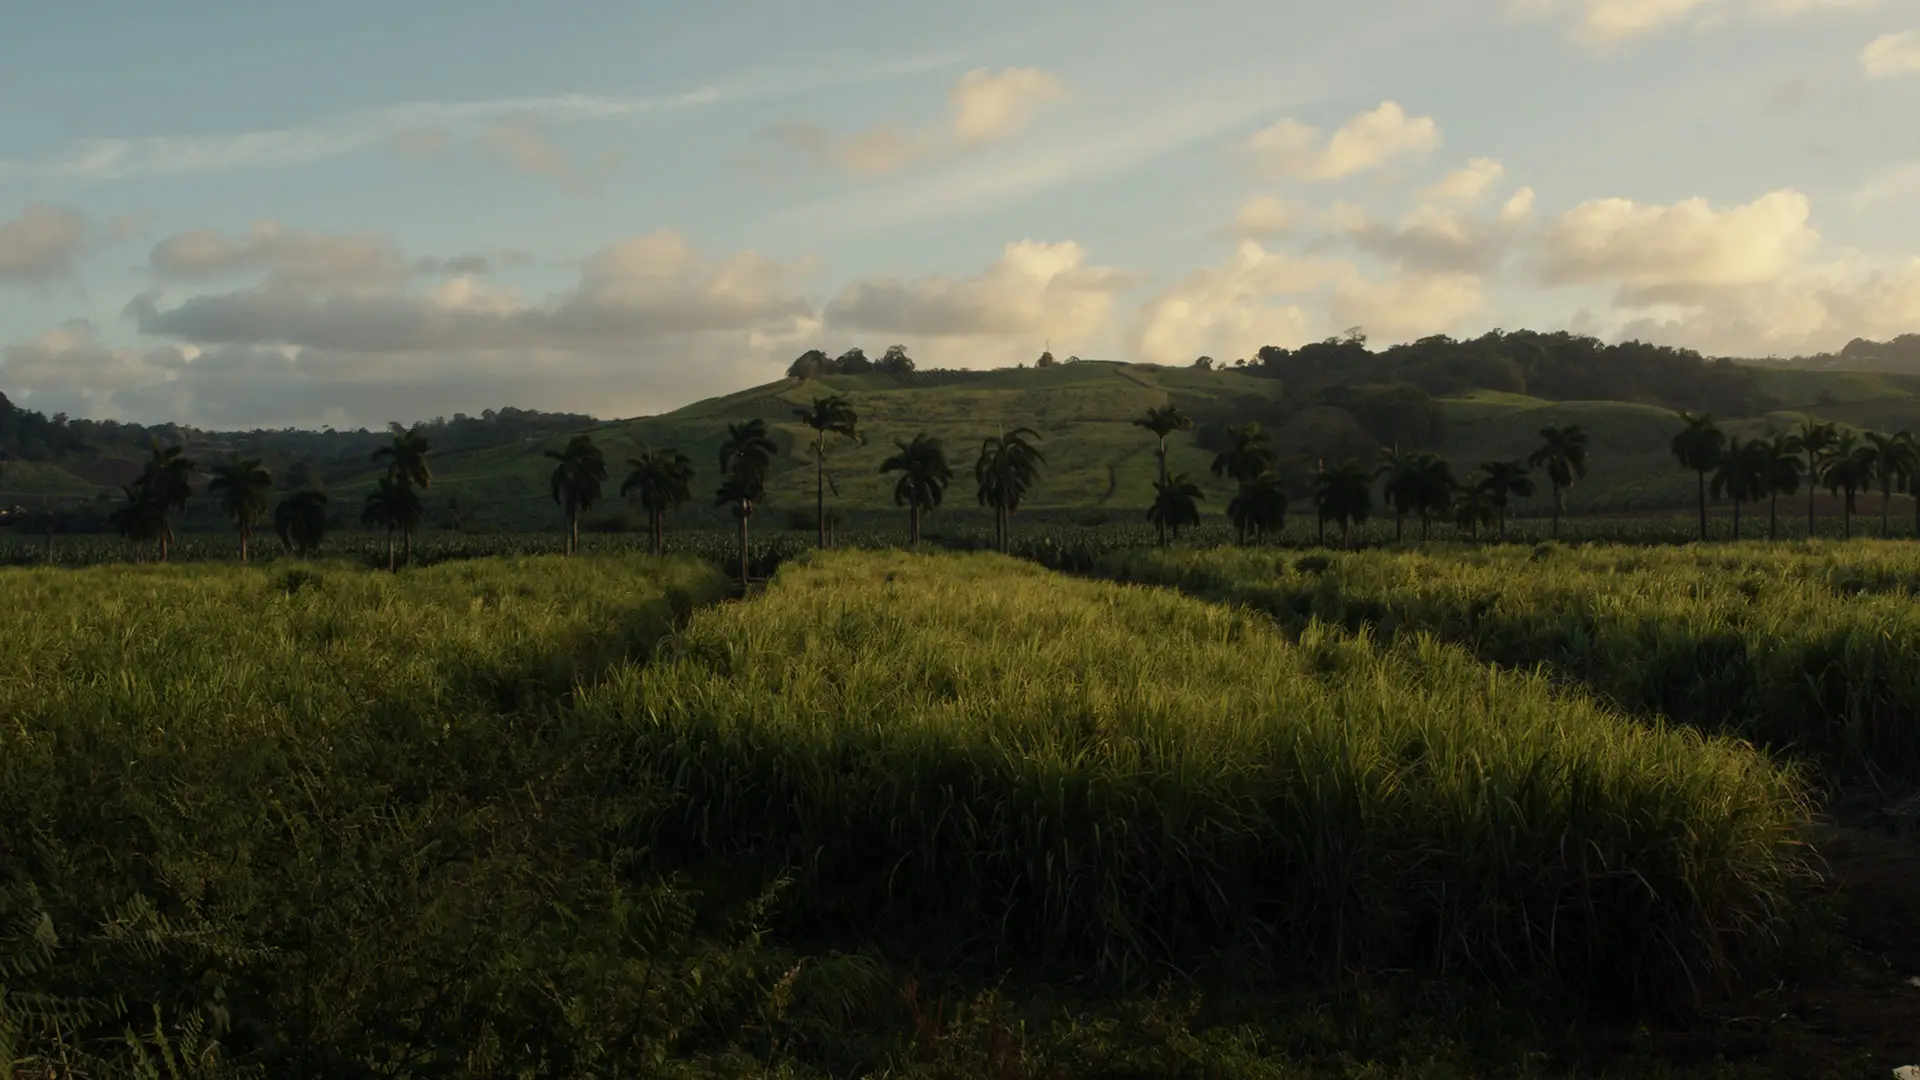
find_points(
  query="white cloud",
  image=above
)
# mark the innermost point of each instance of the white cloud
(1368, 141)
(1468, 184)
(1518, 206)
(1435, 238)
(292, 259)
(1609, 22)
(984, 106)
(1675, 252)
(1033, 291)
(422, 125)
(41, 244)
(1891, 54)
(1263, 215)
(1254, 298)
(1406, 306)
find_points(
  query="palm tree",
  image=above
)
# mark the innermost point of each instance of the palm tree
(393, 504)
(831, 415)
(1473, 507)
(1344, 494)
(1782, 468)
(1503, 482)
(1893, 465)
(1742, 475)
(575, 482)
(1430, 489)
(406, 459)
(662, 480)
(301, 521)
(1698, 447)
(141, 520)
(1814, 439)
(1563, 454)
(243, 486)
(1913, 476)
(1399, 489)
(924, 476)
(1008, 466)
(1847, 467)
(1175, 503)
(745, 456)
(1163, 421)
(406, 456)
(1246, 455)
(1259, 507)
(167, 481)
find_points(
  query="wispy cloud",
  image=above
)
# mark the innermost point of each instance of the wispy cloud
(103, 159)
(1894, 182)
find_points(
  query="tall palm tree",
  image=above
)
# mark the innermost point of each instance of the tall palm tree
(243, 486)
(1431, 487)
(1398, 487)
(832, 415)
(1847, 467)
(745, 456)
(661, 479)
(1246, 455)
(1344, 494)
(1742, 475)
(1259, 507)
(924, 476)
(1473, 508)
(1503, 482)
(1164, 420)
(167, 481)
(1698, 447)
(1563, 455)
(393, 505)
(1893, 465)
(140, 519)
(1814, 439)
(1175, 503)
(576, 481)
(1007, 468)
(301, 521)
(1783, 471)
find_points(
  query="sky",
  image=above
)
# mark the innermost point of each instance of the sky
(346, 214)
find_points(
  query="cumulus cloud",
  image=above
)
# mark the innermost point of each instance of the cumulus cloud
(1263, 215)
(1676, 252)
(1609, 22)
(1405, 306)
(41, 244)
(1034, 290)
(1434, 238)
(291, 259)
(984, 106)
(1469, 184)
(1370, 140)
(1891, 54)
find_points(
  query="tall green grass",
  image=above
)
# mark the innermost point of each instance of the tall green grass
(1116, 778)
(1808, 647)
(318, 821)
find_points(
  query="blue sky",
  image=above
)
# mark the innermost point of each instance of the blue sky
(290, 214)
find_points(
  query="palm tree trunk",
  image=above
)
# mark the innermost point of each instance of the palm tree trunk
(1702, 473)
(1886, 504)
(1846, 517)
(1346, 533)
(1426, 524)
(1503, 524)
(820, 489)
(1736, 520)
(913, 524)
(243, 543)
(406, 547)
(1161, 528)
(1559, 498)
(389, 550)
(1813, 487)
(1320, 531)
(743, 545)
(1773, 516)
(1163, 459)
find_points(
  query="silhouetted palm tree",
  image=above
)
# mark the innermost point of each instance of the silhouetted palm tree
(1260, 507)
(1893, 465)
(1175, 503)
(1504, 481)
(576, 481)
(1397, 485)
(1431, 485)
(1814, 439)
(393, 505)
(662, 479)
(1007, 468)
(745, 456)
(406, 456)
(1698, 447)
(1344, 494)
(301, 521)
(1246, 455)
(140, 519)
(831, 415)
(1742, 475)
(1473, 507)
(1563, 456)
(1163, 421)
(243, 487)
(166, 482)
(924, 476)
(1782, 461)
(1847, 467)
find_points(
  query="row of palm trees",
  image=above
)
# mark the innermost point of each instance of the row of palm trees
(1846, 463)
